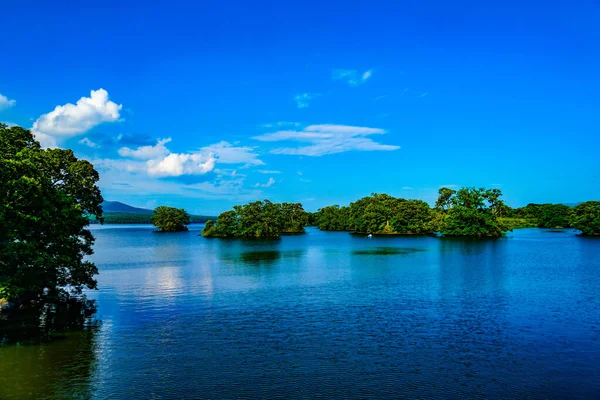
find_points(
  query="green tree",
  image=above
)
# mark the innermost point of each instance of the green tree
(228, 225)
(259, 219)
(554, 216)
(471, 212)
(586, 218)
(333, 218)
(293, 217)
(170, 219)
(209, 229)
(444, 201)
(373, 213)
(412, 217)
(46, 198)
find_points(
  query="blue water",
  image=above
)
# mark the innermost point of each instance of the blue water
(328, 315)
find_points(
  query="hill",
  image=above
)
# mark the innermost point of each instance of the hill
(118, 207)
(116, 212)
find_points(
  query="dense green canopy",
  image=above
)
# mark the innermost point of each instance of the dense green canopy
(333, 218)
(544, 215)
(467, 212)
(46, 197)
(170, 219)
(259, 219)
(471, 212)
(382, 213)
(586, 217)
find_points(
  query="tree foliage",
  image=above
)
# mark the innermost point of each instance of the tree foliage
(259, 219)
(333, 218)
(378, 213)
(46, 197)
(471, 212)
(586, 218)
(170, 219)
(544, 215)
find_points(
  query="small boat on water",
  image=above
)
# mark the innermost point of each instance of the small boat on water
(370, 235)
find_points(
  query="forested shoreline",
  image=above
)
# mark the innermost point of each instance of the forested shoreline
(467, 212)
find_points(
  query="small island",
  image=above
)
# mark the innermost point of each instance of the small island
(170, 219)
(258, 219)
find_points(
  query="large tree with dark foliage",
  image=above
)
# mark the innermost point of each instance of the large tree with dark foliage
(46, 198)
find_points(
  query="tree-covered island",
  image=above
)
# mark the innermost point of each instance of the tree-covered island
(259, 219)
(170, 219)
(467, 212)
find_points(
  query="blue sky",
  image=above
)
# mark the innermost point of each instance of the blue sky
(204, 105)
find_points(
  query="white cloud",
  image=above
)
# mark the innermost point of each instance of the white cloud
(182, 164)
(227, 153)
(407, 188)
(140, 183)
(74, 119)
(327, 139)
(424, 94)
(267, 171)
(269, 183)
(147, 152)
(303, 99)
(351, 76)
(5, 102)
(46, 141)
(88, 143)
(161, 162)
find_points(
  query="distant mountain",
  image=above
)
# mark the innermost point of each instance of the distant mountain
(118, 207)
(115, 212)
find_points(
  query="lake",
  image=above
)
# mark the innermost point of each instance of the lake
(327, 315)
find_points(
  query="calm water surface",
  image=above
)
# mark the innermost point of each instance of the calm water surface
(327, 315)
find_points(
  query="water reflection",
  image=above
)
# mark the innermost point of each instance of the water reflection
(64, 363)
(386, 251)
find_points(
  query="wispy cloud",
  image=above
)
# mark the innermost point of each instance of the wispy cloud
(269, 183)
(75, 119)
(424, 94)
(267, 171)
(279, 124)
(351, 76)
(303, 99)
(5, 102)
(226, 153)
(407, 188)
(87, 142)
(327, 139)
(452, 186)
